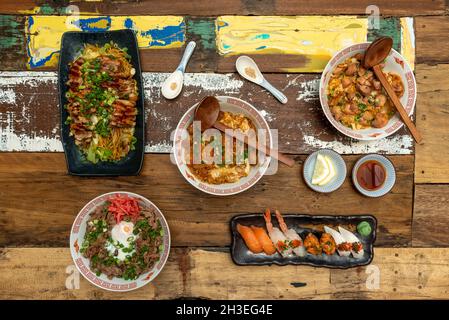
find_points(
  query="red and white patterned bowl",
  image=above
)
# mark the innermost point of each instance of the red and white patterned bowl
(116, 284)
(229, 104)
(395, 63)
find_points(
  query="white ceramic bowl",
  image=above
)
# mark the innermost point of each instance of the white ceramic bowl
(390, 175)
(394, 63)
(340, 169)
(116, 284)
(233, 105)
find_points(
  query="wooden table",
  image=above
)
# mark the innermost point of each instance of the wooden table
(38, 200)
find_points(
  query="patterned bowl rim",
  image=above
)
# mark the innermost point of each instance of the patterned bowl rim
(391, 127)
(379, 192)
(219, 190)
(108, 284)
(318, 188)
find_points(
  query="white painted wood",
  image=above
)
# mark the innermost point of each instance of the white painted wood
(221, 84)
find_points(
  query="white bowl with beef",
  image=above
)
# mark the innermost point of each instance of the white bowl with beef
(353, 99)
(120, 241)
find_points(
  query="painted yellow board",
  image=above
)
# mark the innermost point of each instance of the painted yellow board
(314, 36)
(44, 33)
(408, 40)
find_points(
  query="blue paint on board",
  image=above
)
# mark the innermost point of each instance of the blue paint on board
(262, 36)
(129, 24)
(88, 24)
(166, 35)
(225, 24)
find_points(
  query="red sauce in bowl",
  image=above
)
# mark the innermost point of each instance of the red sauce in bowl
(371, 175)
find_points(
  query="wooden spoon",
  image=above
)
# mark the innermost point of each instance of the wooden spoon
(375, 55)
(207, 113)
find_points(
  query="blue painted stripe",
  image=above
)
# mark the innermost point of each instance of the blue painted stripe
(166, 35)
(262, 36)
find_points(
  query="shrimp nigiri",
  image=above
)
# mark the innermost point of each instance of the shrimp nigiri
(264, 240)
(250, 239)
(357, 247)
(276, 235)
(343, 247)
(296, 242)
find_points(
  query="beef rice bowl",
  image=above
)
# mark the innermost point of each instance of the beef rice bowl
(126, 239)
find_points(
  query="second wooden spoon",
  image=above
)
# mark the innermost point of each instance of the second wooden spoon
(207, 113)
(375, 55)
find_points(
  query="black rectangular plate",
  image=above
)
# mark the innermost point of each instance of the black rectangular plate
(242, 256)
(72, 44)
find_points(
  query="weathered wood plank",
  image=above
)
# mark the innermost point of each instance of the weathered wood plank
(30, 117)
(431, 216)
(15, 41)
(39, 201)
(43, 33)
(432, 117)
(431, 39)
(12, 42)
(47, 273)
(404, 274)
(213, 8)
(285, 44)
(408, 273)
(313, 39)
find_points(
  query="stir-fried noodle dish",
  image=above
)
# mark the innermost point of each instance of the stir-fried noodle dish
(102, 99)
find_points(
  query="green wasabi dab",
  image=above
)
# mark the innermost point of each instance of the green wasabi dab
(364, 228)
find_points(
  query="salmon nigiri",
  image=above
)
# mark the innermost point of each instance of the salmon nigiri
(250, 239)
(264, 240)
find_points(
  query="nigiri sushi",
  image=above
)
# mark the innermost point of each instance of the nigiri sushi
(357, 247)
(295, 241)
(312, 244)
(279, 240)
(343, 247)
(264, 240)
(327, 243)
(250, 239)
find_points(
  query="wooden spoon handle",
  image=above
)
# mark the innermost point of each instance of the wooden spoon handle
(268, 151)
(281, 157)
(399, 107)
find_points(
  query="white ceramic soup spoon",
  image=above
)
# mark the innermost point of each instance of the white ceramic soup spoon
(249, 70)
(173, 84)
